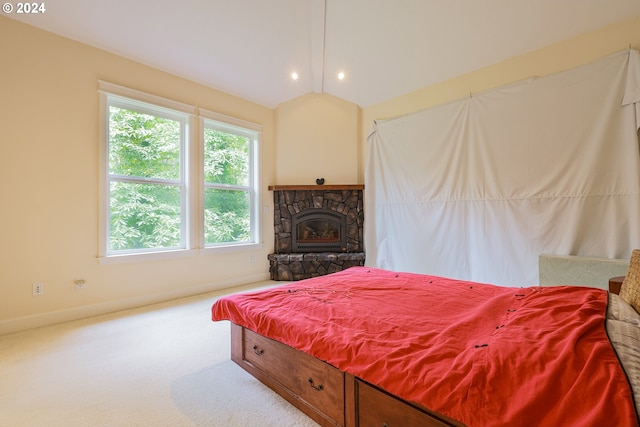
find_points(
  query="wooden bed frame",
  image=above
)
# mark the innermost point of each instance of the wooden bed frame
(326, 394)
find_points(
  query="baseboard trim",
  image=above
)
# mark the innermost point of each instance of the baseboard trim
(75, 313)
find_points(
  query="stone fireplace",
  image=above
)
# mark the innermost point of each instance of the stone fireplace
(318, 230)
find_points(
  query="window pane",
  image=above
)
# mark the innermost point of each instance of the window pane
(143, 145)
(144, 216)
(226, 158)
(227, 216)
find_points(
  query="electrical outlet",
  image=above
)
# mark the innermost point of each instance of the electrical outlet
(80, 284)
(38, 289)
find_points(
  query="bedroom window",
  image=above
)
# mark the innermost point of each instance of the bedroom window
(174, 179)
(146, 177)
(229, 183)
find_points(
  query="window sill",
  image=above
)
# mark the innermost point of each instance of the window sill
(180, 253)
(231, 248)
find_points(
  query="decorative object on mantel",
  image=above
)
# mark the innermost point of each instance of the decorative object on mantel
(318, 229)
(320, 181)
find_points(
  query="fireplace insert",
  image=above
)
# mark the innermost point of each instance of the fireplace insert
(319, 230)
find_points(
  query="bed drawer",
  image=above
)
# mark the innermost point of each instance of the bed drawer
(375, 408)
(311, 380)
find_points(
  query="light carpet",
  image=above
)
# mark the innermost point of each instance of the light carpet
(162, 365)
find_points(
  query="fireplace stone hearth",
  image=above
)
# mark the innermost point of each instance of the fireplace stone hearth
(330, 240)
(298, 266)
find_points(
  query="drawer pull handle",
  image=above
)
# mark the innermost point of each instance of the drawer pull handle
(385, 424)
(257, 350)
(319, 387)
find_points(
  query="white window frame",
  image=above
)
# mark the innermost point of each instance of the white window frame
(252, 132)
(192, 171)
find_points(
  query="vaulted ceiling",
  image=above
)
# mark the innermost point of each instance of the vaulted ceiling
(386, 48)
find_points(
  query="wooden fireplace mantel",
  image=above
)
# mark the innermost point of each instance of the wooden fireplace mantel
(316, 187)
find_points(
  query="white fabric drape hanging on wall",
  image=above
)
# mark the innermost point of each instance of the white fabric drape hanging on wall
(477, 189)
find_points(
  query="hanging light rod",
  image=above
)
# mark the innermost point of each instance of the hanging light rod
(317, 44)
(324, 41)
(318, 37)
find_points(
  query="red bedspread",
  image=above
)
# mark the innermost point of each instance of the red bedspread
(484, 355)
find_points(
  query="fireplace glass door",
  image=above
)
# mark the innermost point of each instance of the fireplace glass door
(319, 230)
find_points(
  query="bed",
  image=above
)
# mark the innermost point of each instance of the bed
(371, 347)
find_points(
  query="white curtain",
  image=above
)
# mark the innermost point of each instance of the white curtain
(477, 189)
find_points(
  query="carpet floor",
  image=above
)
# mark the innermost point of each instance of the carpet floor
(166, 364)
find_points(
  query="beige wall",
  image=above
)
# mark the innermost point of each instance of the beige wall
(317, 137)
(558, 57)
(49, 184)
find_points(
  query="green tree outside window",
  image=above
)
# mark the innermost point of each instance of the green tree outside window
(227, 196)
(147, 189)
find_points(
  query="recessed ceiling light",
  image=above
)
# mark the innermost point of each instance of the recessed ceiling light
(341, 75)
(294, 75)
